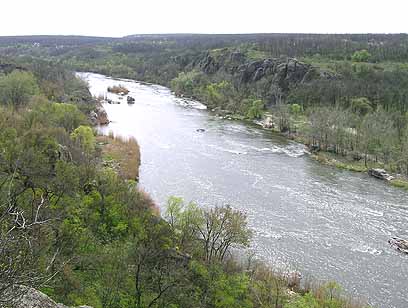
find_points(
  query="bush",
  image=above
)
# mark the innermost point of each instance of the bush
(361, 56)
(256, 109)
(361, 105)
(17, 88)
(85, 137)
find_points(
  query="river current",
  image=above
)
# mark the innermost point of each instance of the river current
(326, 223)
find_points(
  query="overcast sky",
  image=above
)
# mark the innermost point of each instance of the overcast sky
(124, 17)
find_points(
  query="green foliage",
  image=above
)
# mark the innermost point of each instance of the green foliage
(84, 135)
(232, 291)
(17, 88)
(361, 105)
(305, 301)
(256, 109)
(400, 183)
(295, 109)
(361, 56)
(185, 83)
(67, 116)
(217, 94)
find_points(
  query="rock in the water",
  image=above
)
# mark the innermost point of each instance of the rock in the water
(130, 100)
(380, 174)
(399, 244)
(200, 130)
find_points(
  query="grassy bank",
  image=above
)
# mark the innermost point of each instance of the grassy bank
(122, 155)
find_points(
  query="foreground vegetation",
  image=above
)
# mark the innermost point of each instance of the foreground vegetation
(77, 228)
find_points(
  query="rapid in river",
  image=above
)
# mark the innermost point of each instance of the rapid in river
(326, 223)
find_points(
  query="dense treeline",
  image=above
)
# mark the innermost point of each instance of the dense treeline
(85, 235)
(382, 47)
(52, 40)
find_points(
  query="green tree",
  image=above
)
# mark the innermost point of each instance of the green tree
(361, 105)
(361, 56)
(295, 109)
(17, 88)
(84, 135)
(255, 110)
(67, 116)
(220, 229)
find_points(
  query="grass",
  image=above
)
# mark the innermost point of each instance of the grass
(399, 183)
(121, 154)
(339, 162)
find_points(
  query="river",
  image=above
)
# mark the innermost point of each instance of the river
(327, 223)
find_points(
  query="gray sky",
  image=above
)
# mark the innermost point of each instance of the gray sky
(124, 17)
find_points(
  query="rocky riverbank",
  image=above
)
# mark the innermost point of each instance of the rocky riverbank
(98, 116)
(376, 169)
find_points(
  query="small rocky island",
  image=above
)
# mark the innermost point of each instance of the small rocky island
(120, 90)
(380, 174)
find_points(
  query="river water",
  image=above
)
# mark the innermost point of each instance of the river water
(326, 223)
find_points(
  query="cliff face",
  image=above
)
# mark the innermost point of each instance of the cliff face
(273, 77)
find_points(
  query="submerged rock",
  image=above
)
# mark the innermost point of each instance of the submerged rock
(380, 174)
(130, 100)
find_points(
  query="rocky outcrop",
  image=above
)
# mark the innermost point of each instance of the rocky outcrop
(282, 72)
(275, 76)
(32, 298)
(98, 116)
(25, 297)
(7, 68)
(209, 65)
(380, 174)
(399, 244)
(246, 71)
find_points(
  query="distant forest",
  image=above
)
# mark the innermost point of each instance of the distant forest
(382, 47)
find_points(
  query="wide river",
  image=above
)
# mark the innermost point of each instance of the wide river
(326, 223)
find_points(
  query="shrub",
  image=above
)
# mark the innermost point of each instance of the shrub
(17, 88)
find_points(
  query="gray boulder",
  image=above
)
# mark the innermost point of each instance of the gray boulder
(32, 298)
